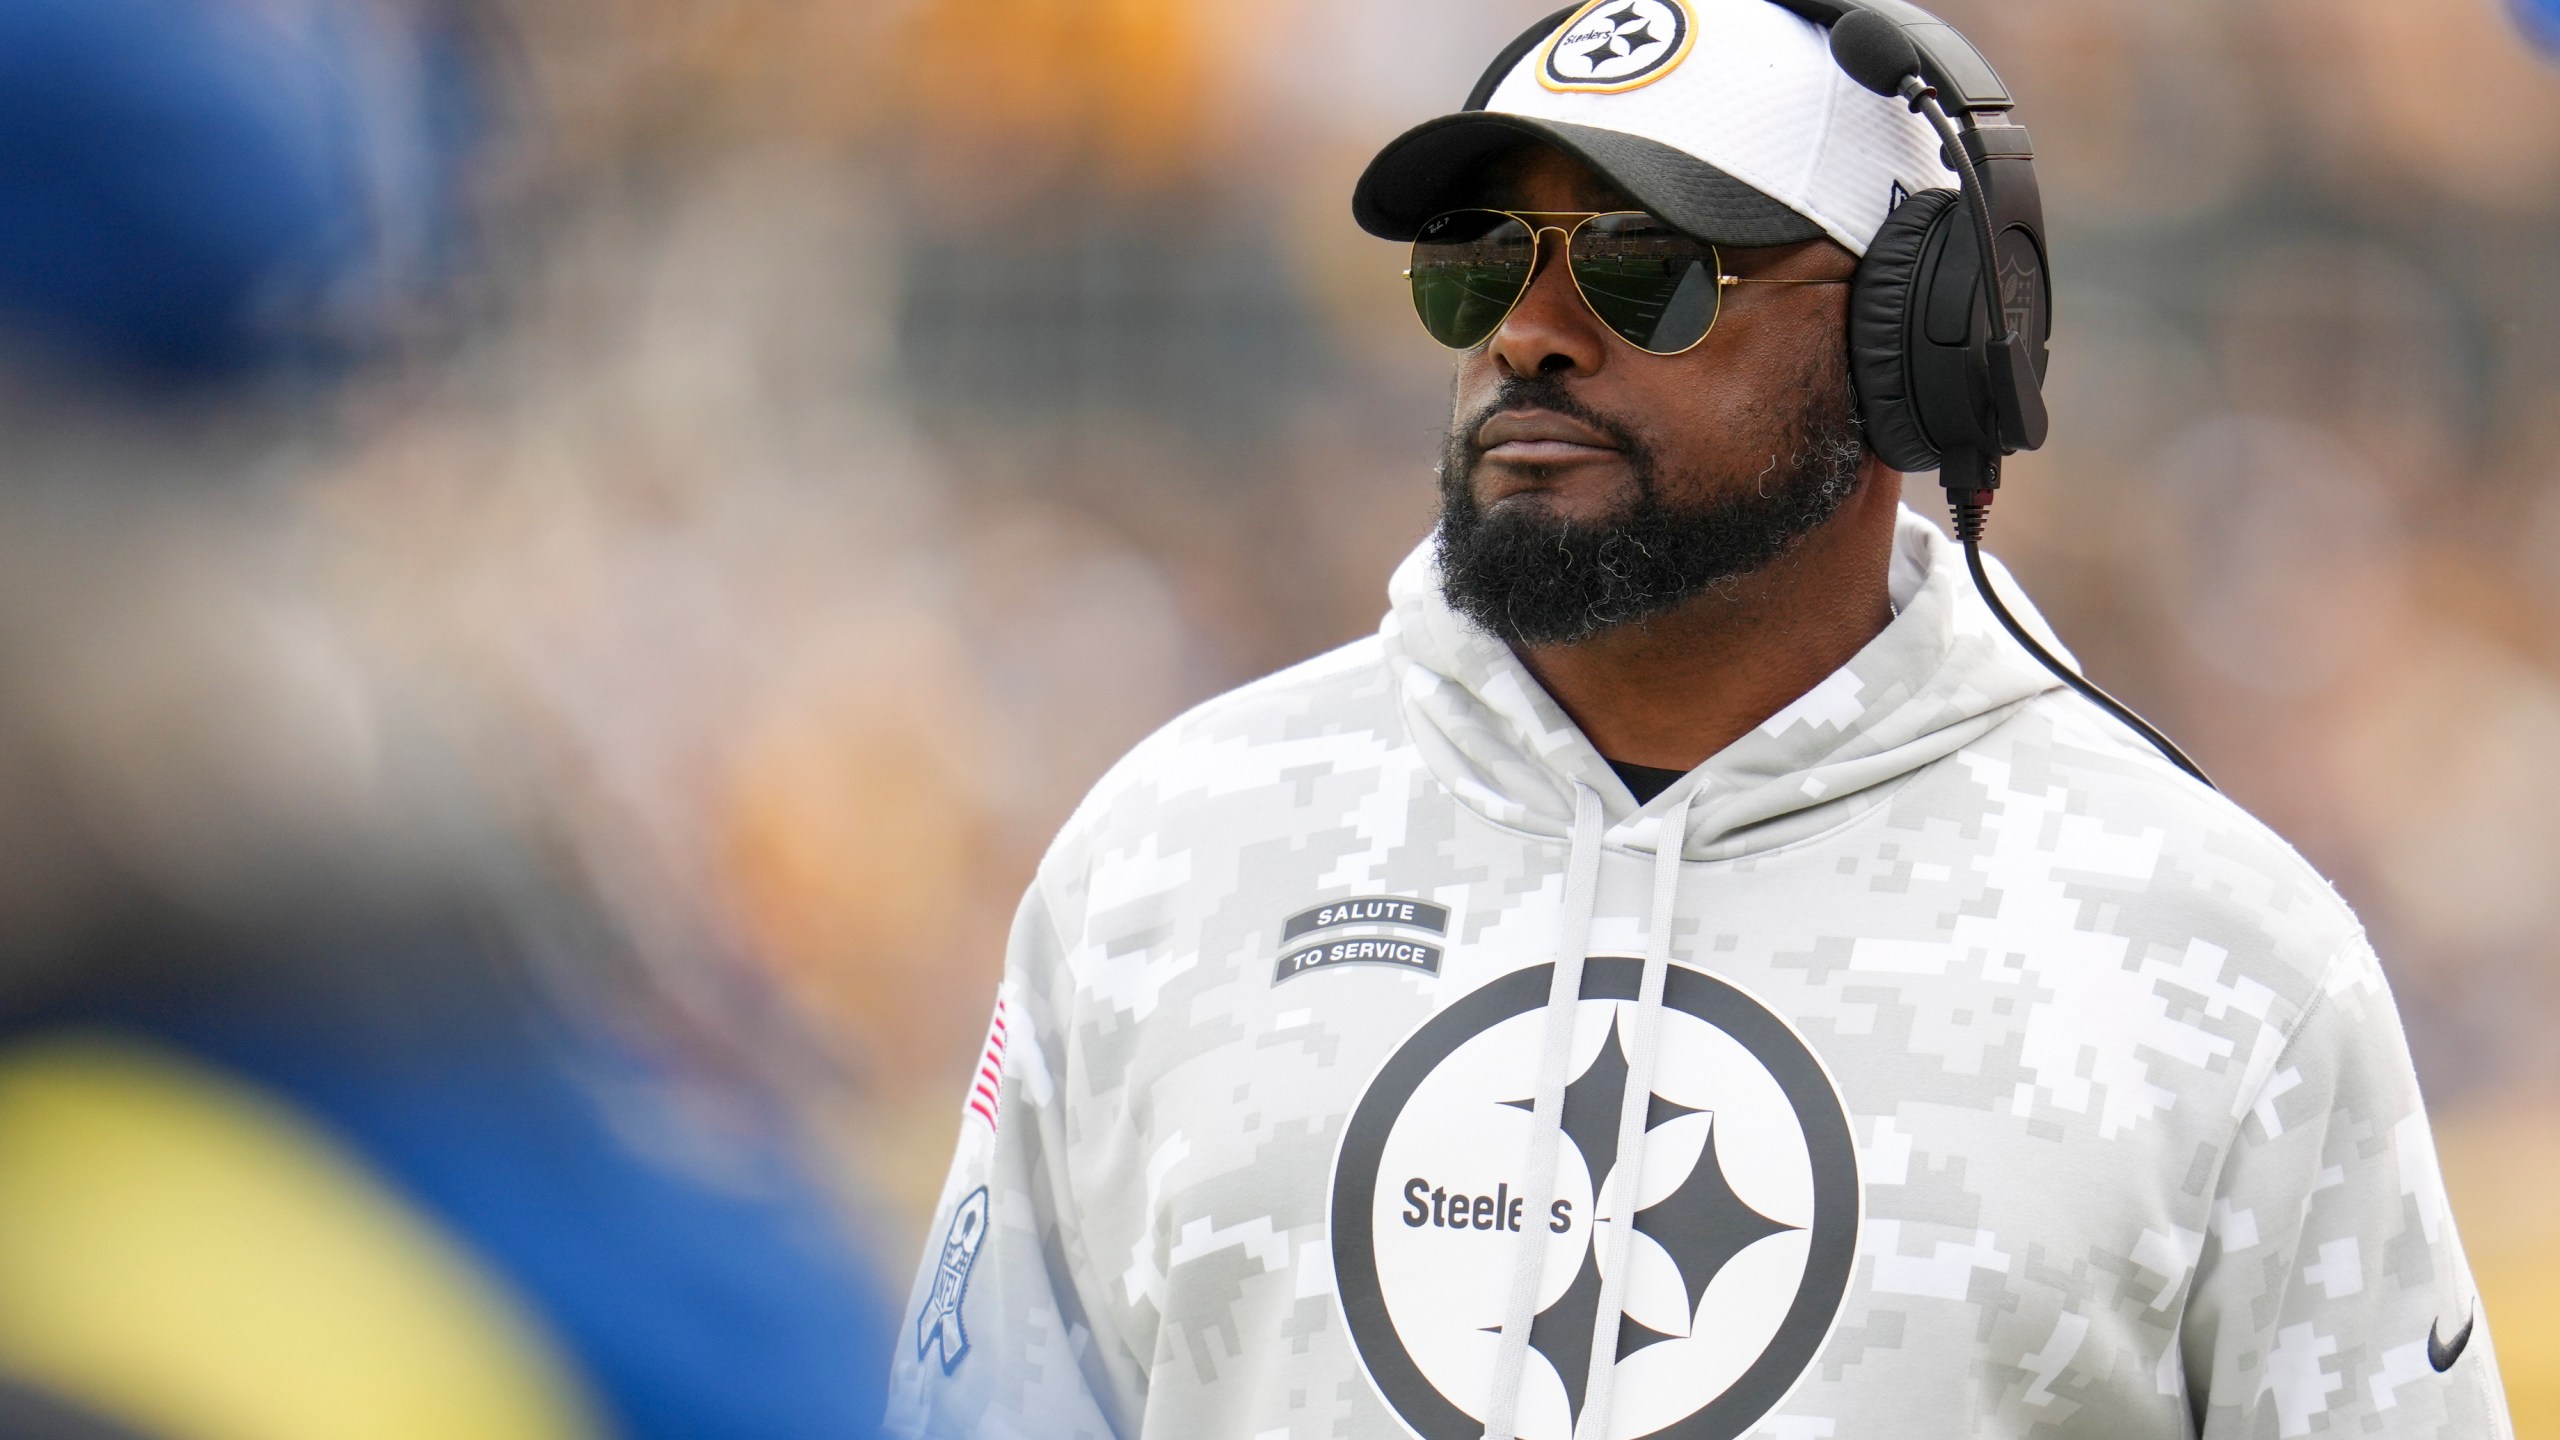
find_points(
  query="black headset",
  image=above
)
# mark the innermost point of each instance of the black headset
(1949, 371)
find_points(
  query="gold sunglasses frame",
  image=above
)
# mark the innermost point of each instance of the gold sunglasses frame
(1537, 260)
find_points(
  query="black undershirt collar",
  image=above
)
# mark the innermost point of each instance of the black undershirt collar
(1645, 781)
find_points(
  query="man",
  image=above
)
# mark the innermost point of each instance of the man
(1689, 844)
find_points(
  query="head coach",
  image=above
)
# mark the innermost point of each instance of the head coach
(1696, 972)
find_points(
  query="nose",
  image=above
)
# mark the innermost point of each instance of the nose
(1551, 330)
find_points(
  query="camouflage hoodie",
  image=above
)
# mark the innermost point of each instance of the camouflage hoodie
(1965, 1070)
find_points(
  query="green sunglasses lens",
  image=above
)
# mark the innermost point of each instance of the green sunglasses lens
(1654, 286)
(1469, 268)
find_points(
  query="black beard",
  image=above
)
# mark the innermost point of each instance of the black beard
(1533, 578)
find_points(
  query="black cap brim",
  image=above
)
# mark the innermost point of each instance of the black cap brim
(1430, 170)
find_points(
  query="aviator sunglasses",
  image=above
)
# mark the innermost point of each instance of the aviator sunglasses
(1655, 288)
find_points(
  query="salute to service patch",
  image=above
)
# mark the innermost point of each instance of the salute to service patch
(1391, 912)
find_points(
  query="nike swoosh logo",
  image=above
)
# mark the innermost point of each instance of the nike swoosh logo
(2442, 1355)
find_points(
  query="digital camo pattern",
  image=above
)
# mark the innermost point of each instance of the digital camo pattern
(2137, 1151)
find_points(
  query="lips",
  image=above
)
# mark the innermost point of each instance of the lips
(1541, 437)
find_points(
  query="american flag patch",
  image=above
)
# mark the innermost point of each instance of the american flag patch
(986, 1092)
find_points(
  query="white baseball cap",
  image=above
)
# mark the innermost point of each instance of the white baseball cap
(1727, 118)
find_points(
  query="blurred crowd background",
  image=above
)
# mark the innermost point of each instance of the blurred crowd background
(561, 559)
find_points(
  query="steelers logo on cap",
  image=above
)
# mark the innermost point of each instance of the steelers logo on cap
(1746, 1212)
(1614, 45)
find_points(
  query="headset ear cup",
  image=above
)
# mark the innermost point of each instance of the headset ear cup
(1880, 304)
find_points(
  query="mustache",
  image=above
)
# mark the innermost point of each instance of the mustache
(1545, 392)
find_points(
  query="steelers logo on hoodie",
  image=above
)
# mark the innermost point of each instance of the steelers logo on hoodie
(1746, 1211)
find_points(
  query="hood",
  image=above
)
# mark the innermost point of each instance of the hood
(1939, 677)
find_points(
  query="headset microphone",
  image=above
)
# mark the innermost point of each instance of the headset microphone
(1926, 389)
(1875, 52)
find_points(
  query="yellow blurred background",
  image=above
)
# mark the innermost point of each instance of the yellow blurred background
(863, 419)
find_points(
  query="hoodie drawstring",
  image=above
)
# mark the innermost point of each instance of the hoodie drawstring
(1633, 1108)
(1546, 1133)
(1564, 995)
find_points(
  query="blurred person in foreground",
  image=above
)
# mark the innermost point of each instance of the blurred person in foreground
(1981, 1073)
(324, 1110)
